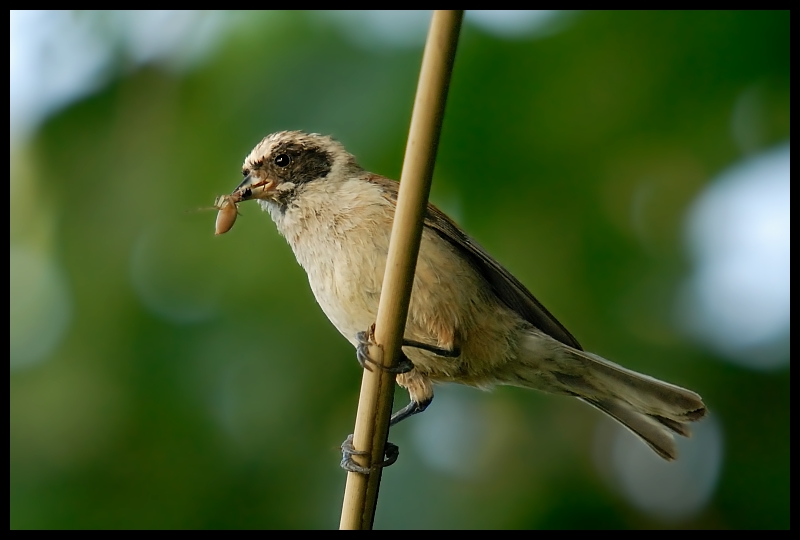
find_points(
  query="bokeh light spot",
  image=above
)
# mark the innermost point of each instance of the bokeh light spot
(671, 491)
(40, 305)
(737, 299)
(450, 435)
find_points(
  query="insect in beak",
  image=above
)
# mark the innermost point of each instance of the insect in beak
(228, 209)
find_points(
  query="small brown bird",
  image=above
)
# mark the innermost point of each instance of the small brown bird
(469, 321)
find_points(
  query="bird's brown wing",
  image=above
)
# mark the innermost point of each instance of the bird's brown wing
(506, 286)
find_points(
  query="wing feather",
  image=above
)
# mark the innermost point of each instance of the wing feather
(506, 286)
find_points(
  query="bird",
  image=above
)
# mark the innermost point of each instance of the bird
(470, 321)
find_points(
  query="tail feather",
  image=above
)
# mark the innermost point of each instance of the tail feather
(652, 409)
(677, 427)
(646, 427)
(644, 393)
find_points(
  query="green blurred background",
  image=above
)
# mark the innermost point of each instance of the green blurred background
(621, 164)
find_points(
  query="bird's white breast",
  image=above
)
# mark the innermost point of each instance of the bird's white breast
(339, 232)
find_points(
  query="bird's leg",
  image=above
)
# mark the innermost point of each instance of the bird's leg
(404, 366)
(455, 352)
(412, 408)
(365, 339)
(390, 451)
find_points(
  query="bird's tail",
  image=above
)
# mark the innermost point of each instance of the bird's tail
(652, 409)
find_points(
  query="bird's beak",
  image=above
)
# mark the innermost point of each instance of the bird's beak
(254, 188)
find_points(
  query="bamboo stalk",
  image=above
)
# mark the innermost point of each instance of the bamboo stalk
(377, 386)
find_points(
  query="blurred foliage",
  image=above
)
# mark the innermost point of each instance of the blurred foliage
(198, 385)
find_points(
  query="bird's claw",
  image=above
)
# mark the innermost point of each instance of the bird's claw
(367, 338)
(390, 451)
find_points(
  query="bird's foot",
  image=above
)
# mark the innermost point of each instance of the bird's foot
(390, 451)
(365, 339)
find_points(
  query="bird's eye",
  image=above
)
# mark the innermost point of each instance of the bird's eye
(245, 172)
(282, 160)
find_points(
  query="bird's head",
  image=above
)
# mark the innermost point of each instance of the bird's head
(283, 163)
